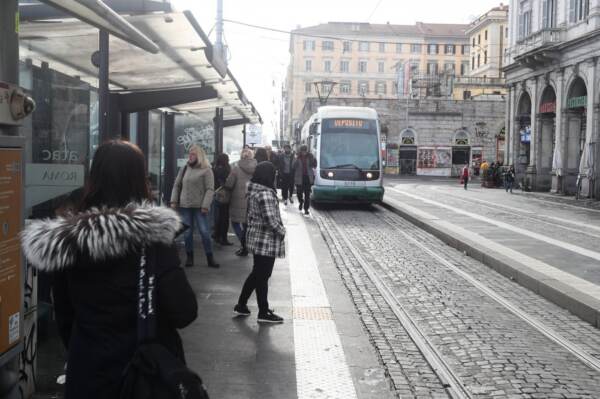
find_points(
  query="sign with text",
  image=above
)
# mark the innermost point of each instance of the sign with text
(254, 134)
(11, 183)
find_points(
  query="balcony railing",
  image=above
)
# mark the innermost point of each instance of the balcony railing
(542, 38)
(478, 81)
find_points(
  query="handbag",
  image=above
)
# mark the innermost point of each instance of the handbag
(155, 372)
(180, 185)
(223, 195)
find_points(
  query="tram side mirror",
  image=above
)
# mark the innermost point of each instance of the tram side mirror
(314, 128)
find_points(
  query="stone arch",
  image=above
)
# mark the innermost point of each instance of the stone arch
(546, 139)
(461, 137)
(408, 137)
(523, 132)
(575, 132)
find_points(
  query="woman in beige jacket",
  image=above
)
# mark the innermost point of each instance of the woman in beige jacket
(192, 194)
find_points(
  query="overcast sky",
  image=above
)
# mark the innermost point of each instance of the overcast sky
(260, 57)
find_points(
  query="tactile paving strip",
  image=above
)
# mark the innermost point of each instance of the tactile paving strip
(312, 313)
(321, 368)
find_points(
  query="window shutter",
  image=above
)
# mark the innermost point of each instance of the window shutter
(545, 14)
(521, 26)
(572, 10)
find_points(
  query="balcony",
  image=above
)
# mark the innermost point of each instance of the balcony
(535, 49)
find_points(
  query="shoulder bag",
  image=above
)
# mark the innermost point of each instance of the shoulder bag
(180, 185)
(223, 195)
(155, 372)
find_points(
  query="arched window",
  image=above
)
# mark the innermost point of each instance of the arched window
(408, 137)
(461, 138)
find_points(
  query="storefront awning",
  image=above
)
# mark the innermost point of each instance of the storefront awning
(185, 60)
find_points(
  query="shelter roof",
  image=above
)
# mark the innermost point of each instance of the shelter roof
(185, 58)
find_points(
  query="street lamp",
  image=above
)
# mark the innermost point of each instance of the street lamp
(322, 96)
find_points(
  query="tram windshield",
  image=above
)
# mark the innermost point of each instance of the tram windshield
(349, 143)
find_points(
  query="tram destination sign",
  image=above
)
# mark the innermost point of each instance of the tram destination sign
(335, 124)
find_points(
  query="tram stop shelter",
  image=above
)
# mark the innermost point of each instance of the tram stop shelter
(138, 61)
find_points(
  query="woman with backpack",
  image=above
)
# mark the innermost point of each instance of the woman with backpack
(94, 256)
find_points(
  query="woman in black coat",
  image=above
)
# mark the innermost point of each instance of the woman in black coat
(95, 256)
(221, 170)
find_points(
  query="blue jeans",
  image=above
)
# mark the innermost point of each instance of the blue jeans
(240, 232)
(191, 217)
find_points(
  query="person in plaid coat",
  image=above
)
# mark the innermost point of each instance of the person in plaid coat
(264, 239)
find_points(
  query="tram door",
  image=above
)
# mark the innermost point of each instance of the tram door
(408, 160)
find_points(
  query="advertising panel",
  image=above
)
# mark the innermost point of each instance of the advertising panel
(10, 249)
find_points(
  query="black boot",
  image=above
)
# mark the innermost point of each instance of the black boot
(189, 261)
(211, 261)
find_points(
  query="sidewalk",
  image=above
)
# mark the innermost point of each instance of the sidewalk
(548, 247)
(320, 351)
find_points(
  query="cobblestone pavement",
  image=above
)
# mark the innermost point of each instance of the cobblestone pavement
(494, 352)
(532, 220)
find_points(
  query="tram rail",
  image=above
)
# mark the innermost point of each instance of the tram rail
(452, 382)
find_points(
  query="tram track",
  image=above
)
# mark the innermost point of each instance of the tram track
(452, 381)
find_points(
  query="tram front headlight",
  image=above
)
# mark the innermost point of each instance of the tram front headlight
(330, 175)
(369, 175)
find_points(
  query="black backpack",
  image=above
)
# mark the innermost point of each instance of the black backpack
(153, 371)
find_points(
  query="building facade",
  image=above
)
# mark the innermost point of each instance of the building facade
(488, 36)
(433, 136)
(362, 60)
(553, 101)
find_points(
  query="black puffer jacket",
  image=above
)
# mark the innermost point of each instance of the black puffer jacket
(95, 257)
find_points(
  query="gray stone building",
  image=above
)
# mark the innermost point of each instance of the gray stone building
(552, 112)
(434, 137)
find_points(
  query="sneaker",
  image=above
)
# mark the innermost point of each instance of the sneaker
(300, 206)
(285, 202)
(291, 201)
(269, 317)
(241, 310)
(306, 212)
(242, 252)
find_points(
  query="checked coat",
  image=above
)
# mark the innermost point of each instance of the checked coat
(265, 234)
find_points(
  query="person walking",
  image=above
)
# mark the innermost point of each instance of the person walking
(285, 166)
(510, 178)
(265, 239)
(465, 176)
(94, 257)
(237, 182)
(261, 155)
(304, 177)
(221, 171)
(192, 194)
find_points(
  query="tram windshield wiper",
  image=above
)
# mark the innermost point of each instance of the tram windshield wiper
(345, 166)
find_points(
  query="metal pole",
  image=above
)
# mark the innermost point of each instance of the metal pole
(9, 49)
(103, 92)
(219, 30)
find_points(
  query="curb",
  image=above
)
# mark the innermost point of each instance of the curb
(567, 297)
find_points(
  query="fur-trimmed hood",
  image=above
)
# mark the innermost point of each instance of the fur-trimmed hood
(97, 234)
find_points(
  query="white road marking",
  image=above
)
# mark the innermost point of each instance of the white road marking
(524, 211)
(574, 248)
(552, 272)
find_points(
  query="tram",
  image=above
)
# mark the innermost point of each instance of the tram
(346, 143)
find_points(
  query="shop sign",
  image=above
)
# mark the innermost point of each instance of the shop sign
(577, 102)
(548, 108)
